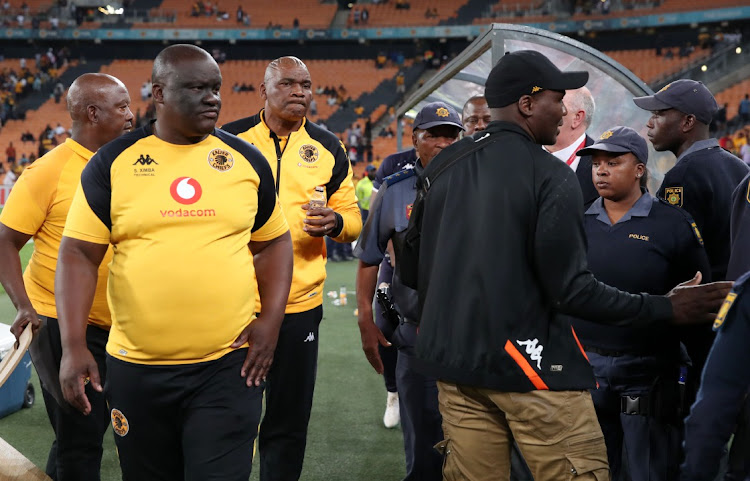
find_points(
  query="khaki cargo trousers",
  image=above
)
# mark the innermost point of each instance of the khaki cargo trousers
(557, 432)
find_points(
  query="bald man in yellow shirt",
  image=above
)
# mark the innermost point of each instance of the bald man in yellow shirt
(37, 207)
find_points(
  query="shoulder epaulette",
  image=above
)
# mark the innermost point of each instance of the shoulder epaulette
(739, 286)
(399, 176)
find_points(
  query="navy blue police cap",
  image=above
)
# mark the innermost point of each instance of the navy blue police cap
(437, 113)
(526, 72)
(688, 96)
(619, 140)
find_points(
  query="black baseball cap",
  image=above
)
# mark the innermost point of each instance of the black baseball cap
(619, 140)
(687, 96)
(527, 72)
(437, 113)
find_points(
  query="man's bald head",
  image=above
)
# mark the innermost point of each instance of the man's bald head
(99, 105)
(174, 55)
(279, 63)
(90, 89)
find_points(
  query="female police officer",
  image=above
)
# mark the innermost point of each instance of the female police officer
(636, 243)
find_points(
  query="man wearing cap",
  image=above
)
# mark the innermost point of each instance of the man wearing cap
(506, 363)
(701, 182)
(580, 106)
(637, 369)
(363, 191)
(436, 127)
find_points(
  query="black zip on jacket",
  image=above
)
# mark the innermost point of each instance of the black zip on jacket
(502, 251)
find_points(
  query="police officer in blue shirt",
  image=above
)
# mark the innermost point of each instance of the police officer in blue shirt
(388, 354)
(724, 388)
(637, 243)
(436, 126)
(701, 182)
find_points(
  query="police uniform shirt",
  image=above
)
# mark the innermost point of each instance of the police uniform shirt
(180, 218)
(394, 163)
(388, 220)
(739, 260)
(702, 182)
(38, 206)
(307, 158)
(651, 249)
(725, 384)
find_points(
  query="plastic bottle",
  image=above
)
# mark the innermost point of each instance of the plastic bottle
(318, 198)
(342, 296)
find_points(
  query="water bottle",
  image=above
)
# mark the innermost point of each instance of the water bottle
(342, 296)
(318, 198)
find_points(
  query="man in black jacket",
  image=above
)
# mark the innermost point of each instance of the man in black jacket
(506, 364)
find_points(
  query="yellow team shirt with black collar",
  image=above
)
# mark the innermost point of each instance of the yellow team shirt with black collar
(307, 158)
(180, 218)
(38, 206)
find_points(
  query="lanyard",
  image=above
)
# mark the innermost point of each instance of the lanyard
(575, 151)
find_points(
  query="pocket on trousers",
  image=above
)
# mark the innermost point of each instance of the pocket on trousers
(450, 469)
(588, 460)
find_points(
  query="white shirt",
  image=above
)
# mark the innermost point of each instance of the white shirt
(565, 153)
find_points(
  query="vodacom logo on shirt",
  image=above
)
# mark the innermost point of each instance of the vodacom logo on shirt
(186, 190)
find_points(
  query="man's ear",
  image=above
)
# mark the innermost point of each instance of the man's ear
(157, 92)
(263, 91)
(92, 112)
(688, 122)
(526, 105)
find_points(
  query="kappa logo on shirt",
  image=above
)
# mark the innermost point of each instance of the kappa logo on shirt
(145, 160)
(146, 168)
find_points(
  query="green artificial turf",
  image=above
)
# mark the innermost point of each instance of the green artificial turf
(346, 439)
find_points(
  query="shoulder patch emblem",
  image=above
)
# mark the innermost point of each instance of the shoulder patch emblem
(309, 153)
(120, 423)
(673, 195)
(724, 310)
(220, 160)
(697, 233)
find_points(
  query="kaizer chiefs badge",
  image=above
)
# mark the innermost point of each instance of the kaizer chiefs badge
(309, 153)
(220, 160)
(120, 423)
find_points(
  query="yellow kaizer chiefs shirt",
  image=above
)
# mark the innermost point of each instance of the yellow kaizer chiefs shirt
(38, 206)
(307, 158)
(180, 218)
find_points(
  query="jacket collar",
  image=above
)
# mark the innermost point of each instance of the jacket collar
(497, 126)
(268, 129)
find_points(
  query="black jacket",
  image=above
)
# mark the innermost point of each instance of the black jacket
(502, 250)
(702, 182)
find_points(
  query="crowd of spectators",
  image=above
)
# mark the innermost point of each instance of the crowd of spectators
(37, 75)
(209, 9)
(359, 142)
